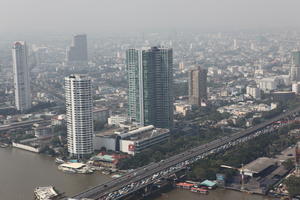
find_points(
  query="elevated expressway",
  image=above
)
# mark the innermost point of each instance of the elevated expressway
(142, 177)
(22, 124)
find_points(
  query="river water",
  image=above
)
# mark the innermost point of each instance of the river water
(22, 171)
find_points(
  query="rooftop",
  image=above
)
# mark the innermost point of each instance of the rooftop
(73, 165)
(208, 183)
(259, 165)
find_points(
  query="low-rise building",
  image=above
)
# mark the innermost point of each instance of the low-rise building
(131, 141)
(183, 108)
(259, 166)
(107, 161)
(296, 88)
(268, 84)
(117, 120)
(253, 91)
(101, 114)
(283, 95)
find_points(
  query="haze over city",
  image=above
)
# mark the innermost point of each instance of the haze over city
(113, 16)
(158, 99)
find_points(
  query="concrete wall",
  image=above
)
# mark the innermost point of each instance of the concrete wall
(106, 142)
(124, 146)
(26, 147)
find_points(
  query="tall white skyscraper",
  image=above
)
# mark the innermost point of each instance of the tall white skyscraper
(79, 106)
(21, 76)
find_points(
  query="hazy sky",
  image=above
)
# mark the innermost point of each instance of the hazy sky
(144, 15)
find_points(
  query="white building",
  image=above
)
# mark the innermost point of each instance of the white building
(284, 80)
(182, 108)
(295, 73)
(253, 92)
(21, 76)
(268, 84)
(132, 141)
(79, 113)
(117, 120)
(296, 88)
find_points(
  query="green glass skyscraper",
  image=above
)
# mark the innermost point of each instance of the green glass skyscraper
(150, 80)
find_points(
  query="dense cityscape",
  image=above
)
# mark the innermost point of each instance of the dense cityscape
(152, 115)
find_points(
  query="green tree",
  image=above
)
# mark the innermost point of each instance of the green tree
(288, 164)
(293, 185)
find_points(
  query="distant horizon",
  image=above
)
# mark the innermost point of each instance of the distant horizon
(45, 35)
(133, 16)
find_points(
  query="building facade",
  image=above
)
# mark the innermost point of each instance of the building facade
(77, 52)
(197, 86)
(132, 141)
(295, 68)
(150, 81)
(296, 88)
(254, 92)
(21, 76)
(79, 111)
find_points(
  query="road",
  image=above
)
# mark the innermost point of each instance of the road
(133, 178)
(22, 124)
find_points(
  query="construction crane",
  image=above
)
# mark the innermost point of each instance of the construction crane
(241, 170)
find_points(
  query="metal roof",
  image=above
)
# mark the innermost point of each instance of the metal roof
(259, 165)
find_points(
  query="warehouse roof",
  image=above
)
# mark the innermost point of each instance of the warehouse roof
(259, 165)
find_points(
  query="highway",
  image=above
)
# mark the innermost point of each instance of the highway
(22, 124)
(117, 188)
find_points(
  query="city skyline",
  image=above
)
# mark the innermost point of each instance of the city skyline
(117, 99)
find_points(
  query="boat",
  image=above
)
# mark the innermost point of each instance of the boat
(105, 172)
(59, 161)
(67, 170)
(85, 170)
(48, 192)
(3, 145)
(199, 190)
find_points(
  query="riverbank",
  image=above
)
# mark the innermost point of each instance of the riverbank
(22, 171)
(218, 194)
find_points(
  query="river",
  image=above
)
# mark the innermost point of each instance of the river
(22, 171)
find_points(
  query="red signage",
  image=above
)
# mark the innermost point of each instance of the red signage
(131, 147)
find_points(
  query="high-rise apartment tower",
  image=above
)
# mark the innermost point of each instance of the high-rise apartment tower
(197, 86)
(21, 76)
(150, 78)
(295, 68)
(79, 107)
(77, 52)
